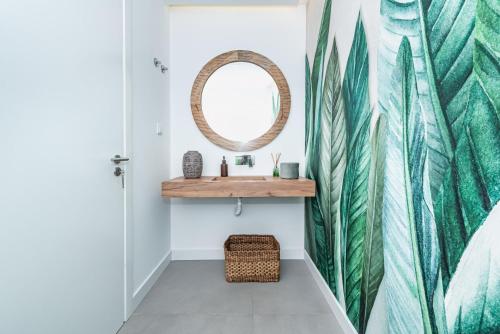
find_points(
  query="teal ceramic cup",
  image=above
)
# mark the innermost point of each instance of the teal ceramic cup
(289, 170)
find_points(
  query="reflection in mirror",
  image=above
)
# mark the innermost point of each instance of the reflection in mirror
(240, 101)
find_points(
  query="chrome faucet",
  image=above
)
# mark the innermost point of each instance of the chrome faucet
(245, 160)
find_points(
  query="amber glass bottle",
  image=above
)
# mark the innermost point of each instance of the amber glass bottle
(223, 167)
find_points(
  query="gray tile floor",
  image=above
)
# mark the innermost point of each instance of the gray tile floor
(192, 297)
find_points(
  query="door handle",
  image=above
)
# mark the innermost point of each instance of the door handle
(117, 159)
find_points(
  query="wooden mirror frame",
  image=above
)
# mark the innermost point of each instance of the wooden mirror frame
(228, 58)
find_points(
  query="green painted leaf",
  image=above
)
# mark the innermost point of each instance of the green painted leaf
(373, 265)
(315, 226)
(428, 248)
(316, 236)
(322, 252)
(315, 219)
(471, 186)
(401, 18)
(309, 239)
(354, 196)
(308, 105)
(276, 102)
(317, 82)
(405, 208)
(310, 226)
(448, 32)
(332, 157)
(473, 298)
(487, 49)
(320, 55)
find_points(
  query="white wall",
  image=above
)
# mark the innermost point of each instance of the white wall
(199, 227)
(149, 214)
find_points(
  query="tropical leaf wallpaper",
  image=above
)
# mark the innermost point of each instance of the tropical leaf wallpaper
(407, 210)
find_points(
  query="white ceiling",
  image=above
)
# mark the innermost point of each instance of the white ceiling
(234, 2)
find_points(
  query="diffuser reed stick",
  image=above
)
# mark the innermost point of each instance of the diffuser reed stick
(276, 161)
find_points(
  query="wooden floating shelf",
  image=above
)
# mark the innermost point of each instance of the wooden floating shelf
(238, 186)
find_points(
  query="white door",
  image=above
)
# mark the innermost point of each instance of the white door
(61, 207)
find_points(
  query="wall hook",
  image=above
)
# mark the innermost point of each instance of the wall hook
(156, 62)
(163, 68)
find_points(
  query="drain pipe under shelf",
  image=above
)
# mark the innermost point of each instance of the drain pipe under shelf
(239, 207)
(242, 160)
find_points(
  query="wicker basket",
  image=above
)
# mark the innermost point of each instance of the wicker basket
(252, 258)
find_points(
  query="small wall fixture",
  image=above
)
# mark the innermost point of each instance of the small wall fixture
(163, 69)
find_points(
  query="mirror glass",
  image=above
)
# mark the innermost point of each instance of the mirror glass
(240, 101)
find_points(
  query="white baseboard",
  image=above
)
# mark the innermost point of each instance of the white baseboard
(337, 310)
(148, 283)
(218, 254)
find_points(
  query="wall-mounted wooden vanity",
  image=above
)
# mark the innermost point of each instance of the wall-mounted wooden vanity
(238, 186)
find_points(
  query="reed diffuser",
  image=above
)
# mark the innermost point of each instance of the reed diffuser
(276, 161)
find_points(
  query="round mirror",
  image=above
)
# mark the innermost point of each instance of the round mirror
(240, 100)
